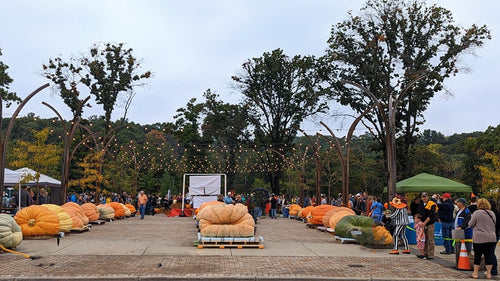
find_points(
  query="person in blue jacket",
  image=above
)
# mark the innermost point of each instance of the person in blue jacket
(376, 210)
(462, 222)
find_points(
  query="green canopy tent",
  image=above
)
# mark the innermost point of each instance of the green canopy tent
(430, 183)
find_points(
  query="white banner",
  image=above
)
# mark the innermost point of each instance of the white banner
(204, 185)
(198, 200)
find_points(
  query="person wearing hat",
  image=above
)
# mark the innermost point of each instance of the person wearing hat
(228, 199)
(445, 213)
(462, 219)
(400, 220)
(429, 211)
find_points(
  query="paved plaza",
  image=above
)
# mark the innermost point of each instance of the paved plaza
(162, 248)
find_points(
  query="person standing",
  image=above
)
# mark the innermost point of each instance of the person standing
(228, 199)
(420, 235)
(142, 201)
(274, 207)
(400, 220)
(376, 210)
(43, 198)
(462, 219)
(494, 208)
(445, 213)
(25, 197)
(429, 213)
(483, 222)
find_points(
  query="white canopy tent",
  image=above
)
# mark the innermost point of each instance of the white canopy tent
(13, 178)
(44, 180)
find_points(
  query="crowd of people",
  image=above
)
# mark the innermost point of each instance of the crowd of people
(479, 221)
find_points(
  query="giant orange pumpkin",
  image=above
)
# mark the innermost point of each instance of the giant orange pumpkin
(119, 212)
(65, 221)
(306, 212)
(37, 220)
(294, 209)
(126, 210)
(131, 208)
(319, 212)
(226, 221)
(90, 210)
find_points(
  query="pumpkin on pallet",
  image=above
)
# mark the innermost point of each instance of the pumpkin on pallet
(335, 218)
(306, 212)
(119, 212)
(319, 212)
(131, 208)
(65, 221)
(10, 232)
(381, 236)
(90, 210)
(226, 221)
(37, 220)
(363, 225)
(126, 210)
(294, 209)
(329, 214)
(106, 212)
(77, 215)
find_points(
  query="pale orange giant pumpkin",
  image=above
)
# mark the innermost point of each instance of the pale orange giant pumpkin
(90, 210)
(294, 209)
(226, 221)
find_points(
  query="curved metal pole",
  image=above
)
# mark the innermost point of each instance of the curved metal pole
(4, 140)
(68, 136)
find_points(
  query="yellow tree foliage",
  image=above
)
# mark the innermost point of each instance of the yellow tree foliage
(490, 175)
(92, 177)
(38, 155)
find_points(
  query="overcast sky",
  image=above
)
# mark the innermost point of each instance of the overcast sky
(194, 45)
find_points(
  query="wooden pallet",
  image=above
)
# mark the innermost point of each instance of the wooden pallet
(97, 222)
(343, 240)
(83, 229)
(39, 237)
(229, 242)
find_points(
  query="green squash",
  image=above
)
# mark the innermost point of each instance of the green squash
(10, 232)
(354, 223)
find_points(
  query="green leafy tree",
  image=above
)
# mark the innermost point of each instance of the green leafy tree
(225, 129)
(279, 92)
(387, 46)
(111, 71)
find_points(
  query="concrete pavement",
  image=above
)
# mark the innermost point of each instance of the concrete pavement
(161, 248)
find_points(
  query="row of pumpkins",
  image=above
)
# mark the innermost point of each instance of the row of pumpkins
(343, 220)
(50, 219)
(217, 219)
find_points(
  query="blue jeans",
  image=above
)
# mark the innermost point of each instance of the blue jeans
(258, 212)
(142, 210)
(494, 268)
(446, 228)
(272, 213)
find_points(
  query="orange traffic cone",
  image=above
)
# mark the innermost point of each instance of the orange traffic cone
(463, 259)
